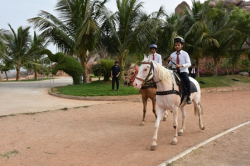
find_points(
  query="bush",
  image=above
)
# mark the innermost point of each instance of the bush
(244, 64)
(98, 70)
(107, 65)
(205, 73)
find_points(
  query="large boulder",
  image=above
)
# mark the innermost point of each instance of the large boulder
(244, 73)
(181, 6)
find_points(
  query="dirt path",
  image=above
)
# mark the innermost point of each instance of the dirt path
(108, 134)
(229, 150)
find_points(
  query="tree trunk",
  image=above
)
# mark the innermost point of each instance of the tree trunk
(83, 60)
(198, 66)
(36, 74)
(215, 68)
(18, 74)
(1, 76)
(233, 70)
(122, 65)
(6, 75)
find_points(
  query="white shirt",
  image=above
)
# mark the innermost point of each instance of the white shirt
(193, 71)
(184, 60)
(157, 58)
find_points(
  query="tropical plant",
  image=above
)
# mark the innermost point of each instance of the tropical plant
(76, 30)
(219, 37)
(98, 70)
(128, 30)
(107, 65)
(66, 63)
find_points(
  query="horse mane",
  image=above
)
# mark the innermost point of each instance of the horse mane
(163, 73)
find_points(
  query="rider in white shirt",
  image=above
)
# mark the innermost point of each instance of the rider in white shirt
(154, 56)
(182, 63)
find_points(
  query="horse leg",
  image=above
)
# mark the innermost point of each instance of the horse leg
(175, 125)
(157, 124)
(199, 107)
(181, 131)
(165, 115)
(144, 100)
(153, 105)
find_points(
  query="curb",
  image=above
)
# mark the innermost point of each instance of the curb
(225, 89)
(201, 144)
(133, 98)
(137, 98)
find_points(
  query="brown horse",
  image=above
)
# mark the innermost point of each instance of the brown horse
(148, 90)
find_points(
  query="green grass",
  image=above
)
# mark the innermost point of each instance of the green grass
(96, 88)
(222, 81)
(8, 154)
(101, 88)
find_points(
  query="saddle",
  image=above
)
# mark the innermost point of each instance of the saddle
(182, 87)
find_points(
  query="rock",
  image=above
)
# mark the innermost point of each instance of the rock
(237, 2)
(244, 3)
(180, 7)
(244, 73)
(247, 8)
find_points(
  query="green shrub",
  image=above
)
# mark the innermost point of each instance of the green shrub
(66, 63)
(107, 65)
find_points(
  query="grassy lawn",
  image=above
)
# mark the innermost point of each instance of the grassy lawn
(97, 88)
(222, 81)
(101, 88)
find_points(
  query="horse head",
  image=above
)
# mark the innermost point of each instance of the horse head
(131, 74)
(145, 73)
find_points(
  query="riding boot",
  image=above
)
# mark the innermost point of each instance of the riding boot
(189, 101)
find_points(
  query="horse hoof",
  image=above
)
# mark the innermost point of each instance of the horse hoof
(174, 142)
(164, 119)
(142, 124)
(180, 133)
(153, 147)
(203, 128)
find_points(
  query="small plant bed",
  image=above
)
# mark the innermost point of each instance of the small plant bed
(96, 88)
(222, 81)
(103, 88)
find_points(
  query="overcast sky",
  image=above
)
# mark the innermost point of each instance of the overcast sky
(16, 12)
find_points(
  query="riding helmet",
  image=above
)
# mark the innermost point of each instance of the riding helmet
(179, 39)
(153, 46)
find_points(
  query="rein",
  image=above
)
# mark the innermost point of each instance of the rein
(173, 91)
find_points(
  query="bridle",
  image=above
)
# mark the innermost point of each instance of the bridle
(151, 72)
(131, 79)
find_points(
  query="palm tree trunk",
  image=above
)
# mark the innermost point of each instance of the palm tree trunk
(198, 67)
(17, 74)
(84, 65)
(36, 74)
(6, 75)
(122, 66)
(215, 68)
(1, 76)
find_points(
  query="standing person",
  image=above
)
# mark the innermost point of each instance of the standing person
(193, 71)
(182, 60)
(115, 72)
(154, 56)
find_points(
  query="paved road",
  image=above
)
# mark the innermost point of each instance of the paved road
(22, 97)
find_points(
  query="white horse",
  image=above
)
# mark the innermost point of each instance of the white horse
(168, 97)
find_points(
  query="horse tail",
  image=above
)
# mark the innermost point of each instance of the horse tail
(196, 109)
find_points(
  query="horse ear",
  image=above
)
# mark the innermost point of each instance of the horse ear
(145, 57)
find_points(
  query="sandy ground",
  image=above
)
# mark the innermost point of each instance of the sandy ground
(229, 150)
(109, 134)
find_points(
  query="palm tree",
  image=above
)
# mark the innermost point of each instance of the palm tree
(220, 36)
(20, 48)
(35, 62)
(169, 30)
(2, 49)
(127, 30)
(195, 22)
(76, 30)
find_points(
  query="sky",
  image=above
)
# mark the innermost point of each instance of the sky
(16, 12)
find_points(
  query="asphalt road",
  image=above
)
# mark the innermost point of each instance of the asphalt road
(23, 97)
